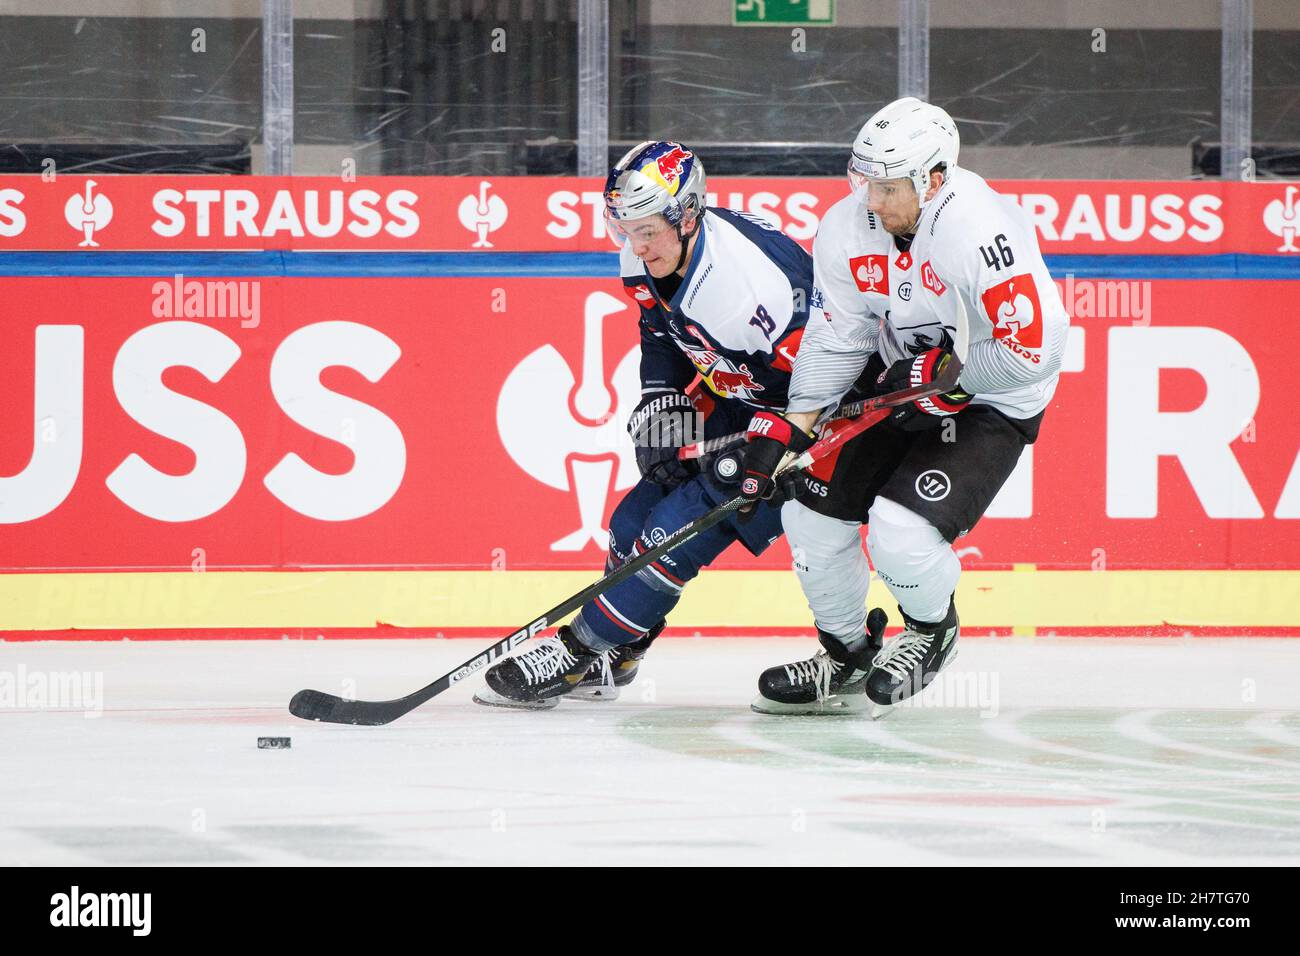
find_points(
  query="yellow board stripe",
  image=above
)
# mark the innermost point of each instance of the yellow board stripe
(1025, 599)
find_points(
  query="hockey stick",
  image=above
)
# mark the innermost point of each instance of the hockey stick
(318, 705)
(709, 446)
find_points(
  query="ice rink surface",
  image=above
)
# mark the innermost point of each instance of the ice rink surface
(1031, 750)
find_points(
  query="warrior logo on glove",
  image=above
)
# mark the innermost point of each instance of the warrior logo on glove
(915, 372)
(769, 437)
(659, 426)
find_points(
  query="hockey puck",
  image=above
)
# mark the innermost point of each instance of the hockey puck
(272, 743)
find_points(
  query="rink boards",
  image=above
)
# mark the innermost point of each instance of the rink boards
(267, 443)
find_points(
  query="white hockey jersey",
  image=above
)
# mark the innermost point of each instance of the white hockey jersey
(973, 247)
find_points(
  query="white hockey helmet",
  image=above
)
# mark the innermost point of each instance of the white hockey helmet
(663, 178)
(907, 138)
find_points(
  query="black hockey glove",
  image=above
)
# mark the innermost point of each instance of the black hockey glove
(769, 437)
(725, 468)
(921, 370)
(660, 426)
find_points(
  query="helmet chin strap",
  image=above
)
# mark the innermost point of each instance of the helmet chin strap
(685, 240)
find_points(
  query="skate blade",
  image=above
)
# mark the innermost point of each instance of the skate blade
(490, 698)
(602, 694)
(831, 707)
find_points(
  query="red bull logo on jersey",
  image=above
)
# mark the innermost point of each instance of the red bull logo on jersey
(737, 383)
(722, 376)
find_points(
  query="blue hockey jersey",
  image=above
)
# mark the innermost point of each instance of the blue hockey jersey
(736, 319)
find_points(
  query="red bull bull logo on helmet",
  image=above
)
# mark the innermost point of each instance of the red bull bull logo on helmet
(669, 167)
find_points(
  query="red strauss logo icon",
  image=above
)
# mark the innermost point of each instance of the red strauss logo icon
(1013, 308)
(871, 273)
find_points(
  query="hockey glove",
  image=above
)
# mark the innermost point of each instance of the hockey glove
(726, 469)
(921, 370)
(659, 426)
(769, 437)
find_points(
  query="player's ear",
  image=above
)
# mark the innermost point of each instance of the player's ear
(938, 176)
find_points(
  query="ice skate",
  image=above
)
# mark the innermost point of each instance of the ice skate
(540, 676)
(832, 681)
(615, 669)
(911, 661)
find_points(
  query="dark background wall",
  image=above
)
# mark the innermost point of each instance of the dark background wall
(415, 87)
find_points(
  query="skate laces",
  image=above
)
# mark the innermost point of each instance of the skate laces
(603, 669)
(900, 658)
(544, 661)
(817, 670)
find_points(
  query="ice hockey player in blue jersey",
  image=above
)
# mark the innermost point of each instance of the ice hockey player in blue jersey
(723, 298)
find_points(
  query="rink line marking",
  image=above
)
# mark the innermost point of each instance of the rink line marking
(621, 800)
(1269, 726)
(207, 709)
(1146, 790)
(1132, 793)
(1050, 829)
(619, 817)
(1135, 792)
(1137, 726)
(1008, 731)
(1041, 600)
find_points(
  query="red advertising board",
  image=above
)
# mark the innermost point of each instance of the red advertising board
(506, 214)
(474, 423)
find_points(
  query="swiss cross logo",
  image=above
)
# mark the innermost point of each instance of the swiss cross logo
(904, 261)
(641, 295)
(871, 273)
(1017, 318)
(930, 279)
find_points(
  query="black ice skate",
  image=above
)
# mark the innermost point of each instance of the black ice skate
(615, 669)
(540, 676)
(912, 660)
(832, 681)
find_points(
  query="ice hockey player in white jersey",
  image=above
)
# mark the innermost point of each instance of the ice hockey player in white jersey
(919, 241)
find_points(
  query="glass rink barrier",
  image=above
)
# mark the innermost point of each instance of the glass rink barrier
(318, 362)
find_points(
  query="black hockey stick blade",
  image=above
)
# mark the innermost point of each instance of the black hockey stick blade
(318, 705)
